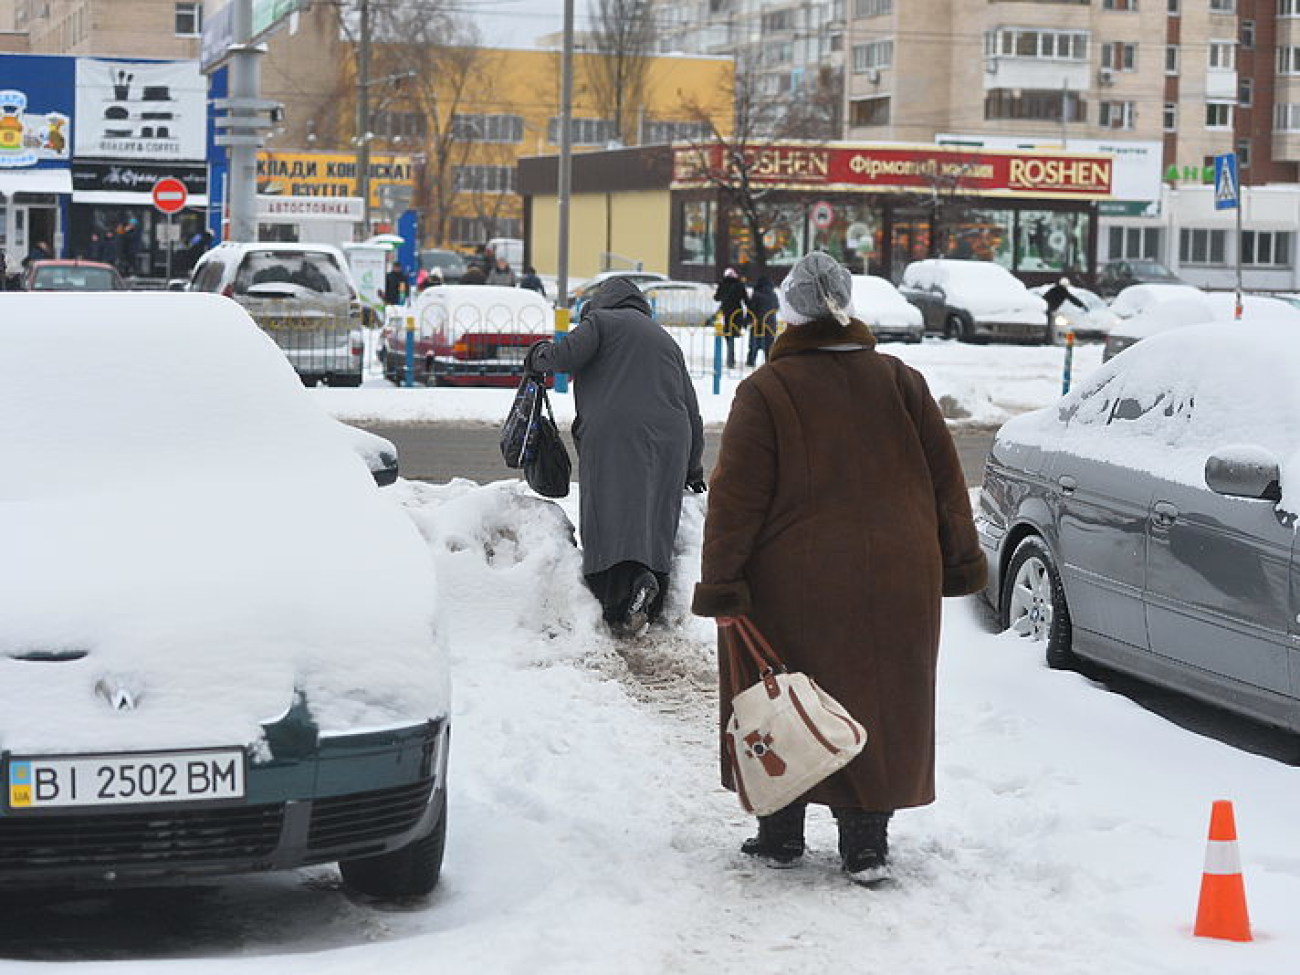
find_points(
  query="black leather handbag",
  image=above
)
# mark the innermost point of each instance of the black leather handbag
(547, 467)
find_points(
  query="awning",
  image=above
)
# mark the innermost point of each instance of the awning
(35, 181)
(125, 198)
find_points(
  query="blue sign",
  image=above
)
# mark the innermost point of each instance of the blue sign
(1227, 188)
(37, 98)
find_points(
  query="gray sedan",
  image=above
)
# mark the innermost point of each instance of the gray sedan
(1147, 521)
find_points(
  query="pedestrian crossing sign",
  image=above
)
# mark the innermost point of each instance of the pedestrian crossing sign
(1226, 191)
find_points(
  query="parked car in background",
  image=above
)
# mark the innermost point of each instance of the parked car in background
(1115, 276)
(974, 301)
(302, 295)
(578, 294)
(1090, 323)
(681, 303)
(217, 642)
(467, 335)
(889, 315)
(71, 275)
(449, 264)
(1147, 520)
(1192, 308)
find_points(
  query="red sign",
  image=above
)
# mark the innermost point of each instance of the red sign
(823, 214)
(910, 168)
(170, 195)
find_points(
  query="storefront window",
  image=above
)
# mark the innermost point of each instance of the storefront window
(785, 239)
(699, 230)
(1049, 240)
(979, 235)
(852, 236)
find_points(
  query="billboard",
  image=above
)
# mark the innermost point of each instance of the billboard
(36, 108)
(154, 111)
(219, 28)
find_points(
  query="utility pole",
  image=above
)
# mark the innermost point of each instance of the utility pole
(363, 115)
(245, 86)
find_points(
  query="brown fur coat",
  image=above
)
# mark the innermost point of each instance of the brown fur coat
(838, 516)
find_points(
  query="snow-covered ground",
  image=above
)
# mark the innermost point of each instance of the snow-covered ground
(588, 832)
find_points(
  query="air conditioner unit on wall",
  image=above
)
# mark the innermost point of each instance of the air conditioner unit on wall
(1105, 77)
(872, 75)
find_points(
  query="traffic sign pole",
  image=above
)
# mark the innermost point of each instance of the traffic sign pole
(1227, 196)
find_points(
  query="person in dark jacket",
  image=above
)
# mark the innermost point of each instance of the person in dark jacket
(396, 287)
(502, 274)
(531, 281)
(838, 518)
(1055, 296)
(763, 306)
(730, 295)
(473, 275)
(640, 443)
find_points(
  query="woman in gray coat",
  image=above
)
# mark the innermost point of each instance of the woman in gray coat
(640, 441)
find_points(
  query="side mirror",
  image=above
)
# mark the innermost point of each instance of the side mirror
(1244, 471)
(379, 453)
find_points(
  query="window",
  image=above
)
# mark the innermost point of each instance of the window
(872, 8)
(1173, 8)
(189, 19)
(1133, 243)
(653, 131)
(1223, 6)
(1266, 248)
(484, 179)
(397, 125)
(1201, 246)
(1218, 115)
(699, 232)
(877, 54)
(473, 230)
(778, 20)
(583, 131)
(1246, 35)
(1288, 60)
(487, 128)
(869, 111)
(1119, 4)
(1243, 153)
(1223, 55)
(1050, 45)
(1288, 8)
(1171, 58)
(1246, 92)
(1011, 103)
(1286, 117)
(1119, 56)
(1171, 117)
(1116, 115)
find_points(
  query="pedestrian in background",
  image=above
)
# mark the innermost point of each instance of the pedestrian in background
(730, 294)
(838, 518)
(531, 281)
(502, 275)
(640, 443)
(396, 286)
(473, 275)
(763, 306)
(1056, 296)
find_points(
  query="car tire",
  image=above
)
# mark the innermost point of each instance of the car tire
(953, 327)
(346, 379)
(1033, 602)
(410, 871)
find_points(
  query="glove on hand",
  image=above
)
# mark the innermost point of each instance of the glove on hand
(696, 484)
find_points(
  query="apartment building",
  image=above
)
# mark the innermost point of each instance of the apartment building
(164, 29)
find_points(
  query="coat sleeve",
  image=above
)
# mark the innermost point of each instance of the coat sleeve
(965, 570)
(695, 469)
(740, 494)
(569, 355)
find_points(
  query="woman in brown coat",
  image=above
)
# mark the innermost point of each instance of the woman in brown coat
(838, 518)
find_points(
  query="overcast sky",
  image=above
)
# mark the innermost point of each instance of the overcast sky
(518, 23)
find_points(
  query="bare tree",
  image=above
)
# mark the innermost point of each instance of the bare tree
(623, 35)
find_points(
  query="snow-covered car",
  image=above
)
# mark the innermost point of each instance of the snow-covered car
(219, 643)
(466, 335)
(1191, 307)
(1115, 276)
(1091, 322)
(680, 303)
(974, 301)
(579, 294)
(889, 315)
(302, 295)
(1147, 520)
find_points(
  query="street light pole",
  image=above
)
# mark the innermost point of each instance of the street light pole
(363, 115)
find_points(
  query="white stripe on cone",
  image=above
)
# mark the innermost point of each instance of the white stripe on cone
(1222, 858)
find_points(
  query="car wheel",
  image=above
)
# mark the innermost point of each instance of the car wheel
(953, 327)
(1033, 601)
(346, 379)
(410, 871)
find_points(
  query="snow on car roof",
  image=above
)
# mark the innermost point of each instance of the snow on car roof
(480, 307)
(175, 506)
(1188, 392)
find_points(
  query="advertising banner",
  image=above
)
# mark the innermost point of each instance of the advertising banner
(36, 102)
(136, 177)
(330, 174)
(142, 110)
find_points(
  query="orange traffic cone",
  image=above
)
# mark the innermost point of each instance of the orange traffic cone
(1222, 911)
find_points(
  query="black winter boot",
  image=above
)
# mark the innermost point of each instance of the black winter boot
(864, 845)
(780, 837)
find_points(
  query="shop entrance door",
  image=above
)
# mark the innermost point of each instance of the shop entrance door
(909, 240)
(32, 223)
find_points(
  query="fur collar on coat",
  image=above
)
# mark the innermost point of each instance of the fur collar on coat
(820, 334)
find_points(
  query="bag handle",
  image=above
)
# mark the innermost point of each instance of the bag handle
(759, 649)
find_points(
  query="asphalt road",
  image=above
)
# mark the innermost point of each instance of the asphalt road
(438, 452)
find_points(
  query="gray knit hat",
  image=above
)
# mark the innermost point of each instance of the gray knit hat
(817, 287)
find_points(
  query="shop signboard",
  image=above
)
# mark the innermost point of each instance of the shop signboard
(895, 168)
(35, 111)
(153, 111)
(331, 174)
(127, 177)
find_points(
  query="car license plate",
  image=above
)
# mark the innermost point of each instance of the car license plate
(117, 780)
(511, 353)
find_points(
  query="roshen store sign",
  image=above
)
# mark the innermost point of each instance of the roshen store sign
(907, 169)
